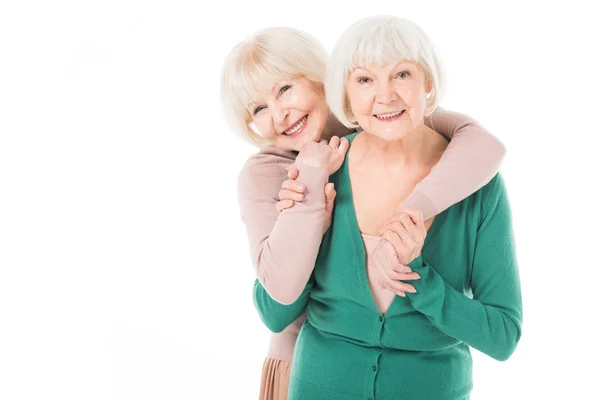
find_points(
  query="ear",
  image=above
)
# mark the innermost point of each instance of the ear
(320, 86)
(428, 86)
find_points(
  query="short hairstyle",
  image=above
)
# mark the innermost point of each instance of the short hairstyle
(266, 57)
(380, 41)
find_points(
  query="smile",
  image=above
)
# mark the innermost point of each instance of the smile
(389, 116)
(297, 127)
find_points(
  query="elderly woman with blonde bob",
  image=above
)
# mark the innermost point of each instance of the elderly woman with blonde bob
(398, 326)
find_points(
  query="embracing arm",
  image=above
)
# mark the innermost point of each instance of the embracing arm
(490, 321)
(470, 161)
(275, 315)
(284, 247)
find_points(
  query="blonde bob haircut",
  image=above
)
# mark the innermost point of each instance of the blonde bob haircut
(381, 41)
(258, 62)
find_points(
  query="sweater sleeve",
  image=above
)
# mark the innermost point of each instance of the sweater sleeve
(275, 315)
(491, 321)
(470, 161)
(284, 247)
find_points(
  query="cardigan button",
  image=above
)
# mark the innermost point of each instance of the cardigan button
(374, 368)
(380, 318)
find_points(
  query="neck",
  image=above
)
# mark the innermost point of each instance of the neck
(420, 148)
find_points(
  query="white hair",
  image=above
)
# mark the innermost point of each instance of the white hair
(268, 56)
(381, 41)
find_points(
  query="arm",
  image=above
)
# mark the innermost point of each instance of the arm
(470, 161)
(491, 321)
(275, 315)
(284, 248)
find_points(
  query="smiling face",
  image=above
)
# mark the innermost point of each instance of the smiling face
(390, 101)
(290, 113)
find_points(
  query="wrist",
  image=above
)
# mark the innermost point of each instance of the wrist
(311, 163)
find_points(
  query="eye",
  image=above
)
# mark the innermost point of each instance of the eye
(258, 109)
(364, 79)
(284, 89)
(402, 74)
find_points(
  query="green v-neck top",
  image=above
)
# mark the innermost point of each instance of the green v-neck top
(468, 295)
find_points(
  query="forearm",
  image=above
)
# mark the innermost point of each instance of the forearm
(493, 329)
(288, 256)
(275, 315)
(470, 161)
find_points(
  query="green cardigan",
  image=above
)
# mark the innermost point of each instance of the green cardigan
(468, 295)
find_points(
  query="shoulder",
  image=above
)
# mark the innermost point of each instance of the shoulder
(493, 199)
(482, 204)
(494, 190)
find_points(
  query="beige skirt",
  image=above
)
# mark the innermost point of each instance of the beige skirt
(275, 379)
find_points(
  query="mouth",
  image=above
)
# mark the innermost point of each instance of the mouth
(296, 128)
(392, 116)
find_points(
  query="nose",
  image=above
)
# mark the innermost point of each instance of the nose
(279, 113)
(385, 92)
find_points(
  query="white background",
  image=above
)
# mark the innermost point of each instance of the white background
(124, 266)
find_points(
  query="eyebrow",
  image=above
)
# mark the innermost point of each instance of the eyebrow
(253, 104)
(275, 85)
(394, 67)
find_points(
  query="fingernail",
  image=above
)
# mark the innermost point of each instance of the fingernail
(301, 187)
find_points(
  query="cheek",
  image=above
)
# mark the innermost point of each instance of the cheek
(415, 96)
(359, 102)
(264, 126)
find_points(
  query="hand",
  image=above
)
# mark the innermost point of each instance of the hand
(406, 231)
(292, 191)
(392, 272)
(328, 156)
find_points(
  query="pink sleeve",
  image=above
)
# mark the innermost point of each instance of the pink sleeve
(471, 160)
(284, 247)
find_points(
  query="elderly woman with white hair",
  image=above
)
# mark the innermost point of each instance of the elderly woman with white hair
(368, 334)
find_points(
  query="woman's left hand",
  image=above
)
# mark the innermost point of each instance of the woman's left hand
(292, 191)
(406, 231)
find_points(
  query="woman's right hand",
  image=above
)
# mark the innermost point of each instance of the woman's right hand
(327, 156)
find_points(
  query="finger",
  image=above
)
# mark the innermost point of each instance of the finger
(284, 205)
(415, 214)
(406, 221)
(334, 142)
(329, 192)
(285, 194)
(323, 141)
(344, 146)
(399, 287)
(400, 268)
(293, 173)
(381, 283)
(293, 185)
(395, 240)
(396, 276)
(407, 240)
(399, 229)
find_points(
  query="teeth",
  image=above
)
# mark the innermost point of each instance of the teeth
(389, 115)
(296, 127)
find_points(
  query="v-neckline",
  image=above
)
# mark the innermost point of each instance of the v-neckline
(356, 234)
